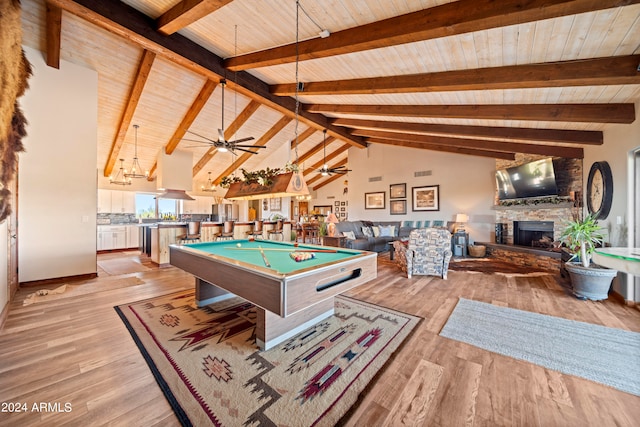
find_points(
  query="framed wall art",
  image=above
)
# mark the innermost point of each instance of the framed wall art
(426, 198)
(398, 191)
(374, 200)
(275, 203)
(398, 207)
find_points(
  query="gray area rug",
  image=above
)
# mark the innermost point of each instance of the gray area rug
(605, 355)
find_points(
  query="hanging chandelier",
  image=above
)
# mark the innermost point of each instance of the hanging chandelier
(209, 186)
(136, 170)
(290, 184)
(121, 176)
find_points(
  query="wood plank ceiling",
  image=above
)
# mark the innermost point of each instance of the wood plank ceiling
(474, 77)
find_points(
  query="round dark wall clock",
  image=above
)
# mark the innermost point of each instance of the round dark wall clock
(599, 190)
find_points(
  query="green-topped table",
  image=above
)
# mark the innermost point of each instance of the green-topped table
(626, 260)
(289, 295)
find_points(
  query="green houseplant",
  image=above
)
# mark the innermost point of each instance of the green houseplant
(588, 280)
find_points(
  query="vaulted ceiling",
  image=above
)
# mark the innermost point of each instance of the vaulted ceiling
(474, 77)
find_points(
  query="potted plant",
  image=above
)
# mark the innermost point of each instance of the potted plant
(588, 280)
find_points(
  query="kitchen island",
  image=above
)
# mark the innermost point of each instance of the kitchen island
(164, 234)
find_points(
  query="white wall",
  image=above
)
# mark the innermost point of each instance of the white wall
(619, 141)
(4, 256)
(467, 185)
(57, 174)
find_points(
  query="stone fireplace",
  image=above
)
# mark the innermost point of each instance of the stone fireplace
(554, 215)
(531, 226)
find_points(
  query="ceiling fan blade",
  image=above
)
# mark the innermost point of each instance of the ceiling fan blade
(242, 149)
(204, 145)
(235, 141)
(200, 136)
(197, 141)
(249, 146)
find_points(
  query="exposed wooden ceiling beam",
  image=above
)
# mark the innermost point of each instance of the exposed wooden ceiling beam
(317, 165)
(524, 134)
(123, 20)
(315, 150)
(191, 115)
(319, 176)
(446, 148)
(263, 140)
(583, 113)
(142, 74)
(185, 13)
(514, 147)
(463, 16)
(53, 30)
(328, 181)
(237, 123)
(616, 70)
(188, 119)
(301, 137)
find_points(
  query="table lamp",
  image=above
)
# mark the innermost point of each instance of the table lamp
(331, 221)
(461, 219)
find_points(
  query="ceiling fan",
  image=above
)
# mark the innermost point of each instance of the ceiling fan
(325, 170)
(221, 144)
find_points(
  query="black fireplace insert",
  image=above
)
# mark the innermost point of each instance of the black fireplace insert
(537, 234)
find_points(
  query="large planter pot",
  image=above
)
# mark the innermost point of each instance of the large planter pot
(591, 282)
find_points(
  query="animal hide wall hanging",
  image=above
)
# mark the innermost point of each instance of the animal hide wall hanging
(15, 70)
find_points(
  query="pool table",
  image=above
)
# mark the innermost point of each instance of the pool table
(289, 295)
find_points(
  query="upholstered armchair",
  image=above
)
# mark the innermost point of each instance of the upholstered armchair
(427, 252)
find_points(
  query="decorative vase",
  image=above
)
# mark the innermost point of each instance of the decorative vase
(591, 282)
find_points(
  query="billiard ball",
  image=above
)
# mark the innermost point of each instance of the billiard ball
(239, 245)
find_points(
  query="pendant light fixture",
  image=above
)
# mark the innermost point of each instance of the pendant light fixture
(121, 176)
(136, 169)
(290, 184)
(209, 186)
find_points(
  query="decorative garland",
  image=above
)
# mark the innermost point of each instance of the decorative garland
(263, 177)
(551, 200)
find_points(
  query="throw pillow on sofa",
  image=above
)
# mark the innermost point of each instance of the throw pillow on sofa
(386, 231)
(349, 235)
(376, 231)
(367, 231)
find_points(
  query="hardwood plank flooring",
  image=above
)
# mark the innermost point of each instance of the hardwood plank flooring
(75, 349)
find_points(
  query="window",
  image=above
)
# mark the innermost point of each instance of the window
(167, 208)
(148, 206)
(145, 205)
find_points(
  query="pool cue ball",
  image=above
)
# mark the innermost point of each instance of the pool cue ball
(239, 245)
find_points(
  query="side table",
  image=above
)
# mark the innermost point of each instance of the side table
(335, 241)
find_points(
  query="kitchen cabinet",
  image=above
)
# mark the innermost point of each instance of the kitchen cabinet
(133, 236)
(112, 237)
(123, 201)
(201, 205)
(104, 201)
(116, 201)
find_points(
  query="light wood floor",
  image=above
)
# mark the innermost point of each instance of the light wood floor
(76, 350)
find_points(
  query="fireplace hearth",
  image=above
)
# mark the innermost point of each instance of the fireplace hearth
(536, 234)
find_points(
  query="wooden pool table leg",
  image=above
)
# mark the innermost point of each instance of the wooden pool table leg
(272, 329)
(207, 293)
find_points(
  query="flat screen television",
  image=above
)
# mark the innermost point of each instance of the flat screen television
(534, 179)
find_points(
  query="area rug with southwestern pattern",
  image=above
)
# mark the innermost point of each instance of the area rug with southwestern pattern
(211, 371)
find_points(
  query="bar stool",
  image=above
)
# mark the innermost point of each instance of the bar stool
(256, 233)
(193, 233)
(278, 229)
(227, 231)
